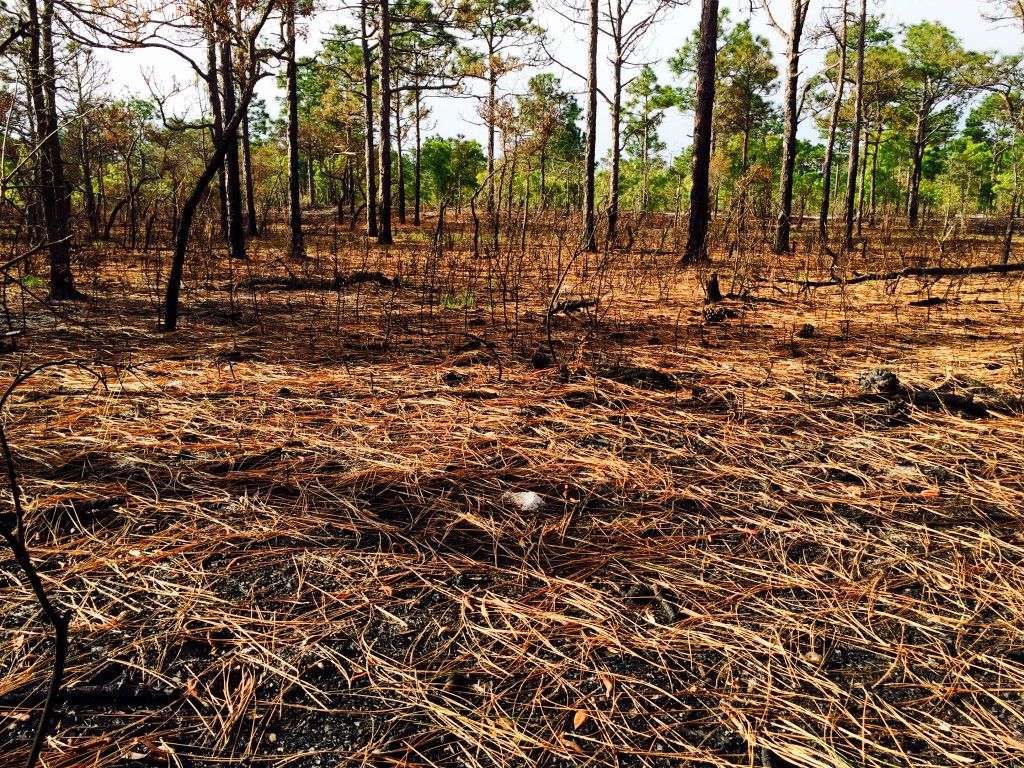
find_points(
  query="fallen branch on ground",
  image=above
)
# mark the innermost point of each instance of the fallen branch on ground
(983, 269)
(339, 282)
(569, 306)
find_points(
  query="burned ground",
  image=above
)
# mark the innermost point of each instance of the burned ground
(282, 540)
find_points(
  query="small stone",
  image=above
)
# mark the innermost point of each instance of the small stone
(272, 738)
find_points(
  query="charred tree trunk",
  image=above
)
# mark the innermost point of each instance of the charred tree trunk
(492, 108)
(589, 213)
(417, 179)
(250, 191)
(920, 138)
(1008, 235)
(830, 145)
(384, 61)
(92, 212)
(217, 129)
(296, 246)
(368, 127)
(858, 114)
(401, 165)
(790, 124)
(236, 221)
(54, 194)
(700, 198)
(188, 212)
(613, 171)
(42, 78)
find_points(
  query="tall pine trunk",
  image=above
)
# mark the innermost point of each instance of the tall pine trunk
(368, 122)
(790, 125)
(830, 145)
(217, 128)
(297, 247)
(42, 77)
(858, 114)
(920, 139)
(613, 171)
(417, 179)
(250, 189)
(236, 222)
(401, 165)
(700, 198)
(384, 61)
(492, 109)
(188, 212)
(589, 207)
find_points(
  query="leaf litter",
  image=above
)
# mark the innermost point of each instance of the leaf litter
(281, 555)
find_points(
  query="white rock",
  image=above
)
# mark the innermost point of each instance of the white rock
(524, 501)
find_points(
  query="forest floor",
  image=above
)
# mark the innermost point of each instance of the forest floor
(285, 534)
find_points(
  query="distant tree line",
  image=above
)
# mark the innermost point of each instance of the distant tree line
(913, 126)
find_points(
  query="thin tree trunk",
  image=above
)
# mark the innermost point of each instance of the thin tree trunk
(613, 171)
(384, 61)
(296, 245)
(236, 221)
(217, 129)
(89, 193)
(707, 50)
(1008, 234)
(42, 77)
(417, 179)
(589, 214)
(830, 145)
(920, 137)
(401, 165)
(250, 191)
(863, 184)
(188, 212)
(311, 178)
(790, 125)
(492, 95)
(368, 125)
(858, 110)
(874, 176)
(543, 178)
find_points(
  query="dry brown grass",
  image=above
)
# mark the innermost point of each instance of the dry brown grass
(757, 566)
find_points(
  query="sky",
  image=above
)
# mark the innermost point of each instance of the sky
(458, 116)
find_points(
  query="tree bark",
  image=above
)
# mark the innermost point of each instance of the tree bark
(296, 246)
(920, 139)
(417, 181)
(790, 125)
(217, 129)
(613, 171)
(589, 214)
(700, 214)
(369, 125)
(42, 77)
(1008, 234)
(250, 191)
(188, 212)
(401, 165)
(830, 145)
(492, 107)
(858, 113)
(236, 221)
(384, 61)
(89, 193)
